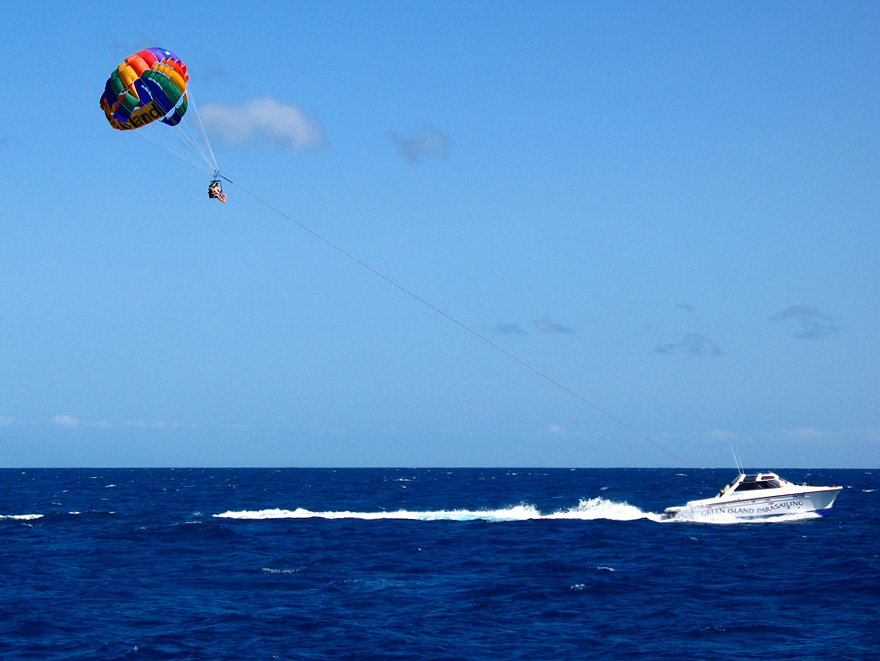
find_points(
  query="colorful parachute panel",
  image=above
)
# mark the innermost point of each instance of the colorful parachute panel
(146, 86)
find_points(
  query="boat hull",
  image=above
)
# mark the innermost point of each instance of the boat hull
(817, 501)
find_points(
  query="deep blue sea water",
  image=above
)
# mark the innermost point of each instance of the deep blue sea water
(391, 564)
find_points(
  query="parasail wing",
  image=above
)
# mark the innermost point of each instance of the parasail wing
(147, 86)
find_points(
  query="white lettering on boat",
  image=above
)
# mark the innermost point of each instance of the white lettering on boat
(769, 507)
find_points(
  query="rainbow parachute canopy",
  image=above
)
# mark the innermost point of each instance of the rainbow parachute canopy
(146, 86)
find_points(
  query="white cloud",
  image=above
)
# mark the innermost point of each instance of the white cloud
(158, 425)
(558, 431)
(803, 434)
(66, 421)
(265, 119)
(808, 435)
(69, 422)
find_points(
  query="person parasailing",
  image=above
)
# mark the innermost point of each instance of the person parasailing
(215, 190)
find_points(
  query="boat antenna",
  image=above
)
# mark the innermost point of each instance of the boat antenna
(736, 460)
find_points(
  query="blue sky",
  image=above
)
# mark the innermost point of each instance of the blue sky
(671, 209)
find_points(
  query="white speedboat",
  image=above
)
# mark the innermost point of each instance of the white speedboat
(758, 495)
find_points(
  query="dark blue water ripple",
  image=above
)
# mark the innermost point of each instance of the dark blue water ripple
(440, 564)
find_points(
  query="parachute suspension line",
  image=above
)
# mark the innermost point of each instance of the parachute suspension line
(199, 136)
(154, 139)
(177, 146)
(461, 325)
(187, 141)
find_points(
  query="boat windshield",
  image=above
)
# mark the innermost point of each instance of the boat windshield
(756, 485)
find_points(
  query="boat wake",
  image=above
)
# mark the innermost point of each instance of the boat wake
(591, 509)
(586, 510)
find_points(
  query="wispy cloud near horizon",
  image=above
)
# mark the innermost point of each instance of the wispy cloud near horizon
(811, 435)
(69, 422)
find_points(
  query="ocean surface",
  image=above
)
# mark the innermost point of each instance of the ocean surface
(451, 564)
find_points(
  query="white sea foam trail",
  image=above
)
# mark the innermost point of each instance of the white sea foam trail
(600, 508)
(594, 508)
(21, 517)
(521, 513)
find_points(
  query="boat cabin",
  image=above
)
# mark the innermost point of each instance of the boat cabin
(754, 482)
(759, 481)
